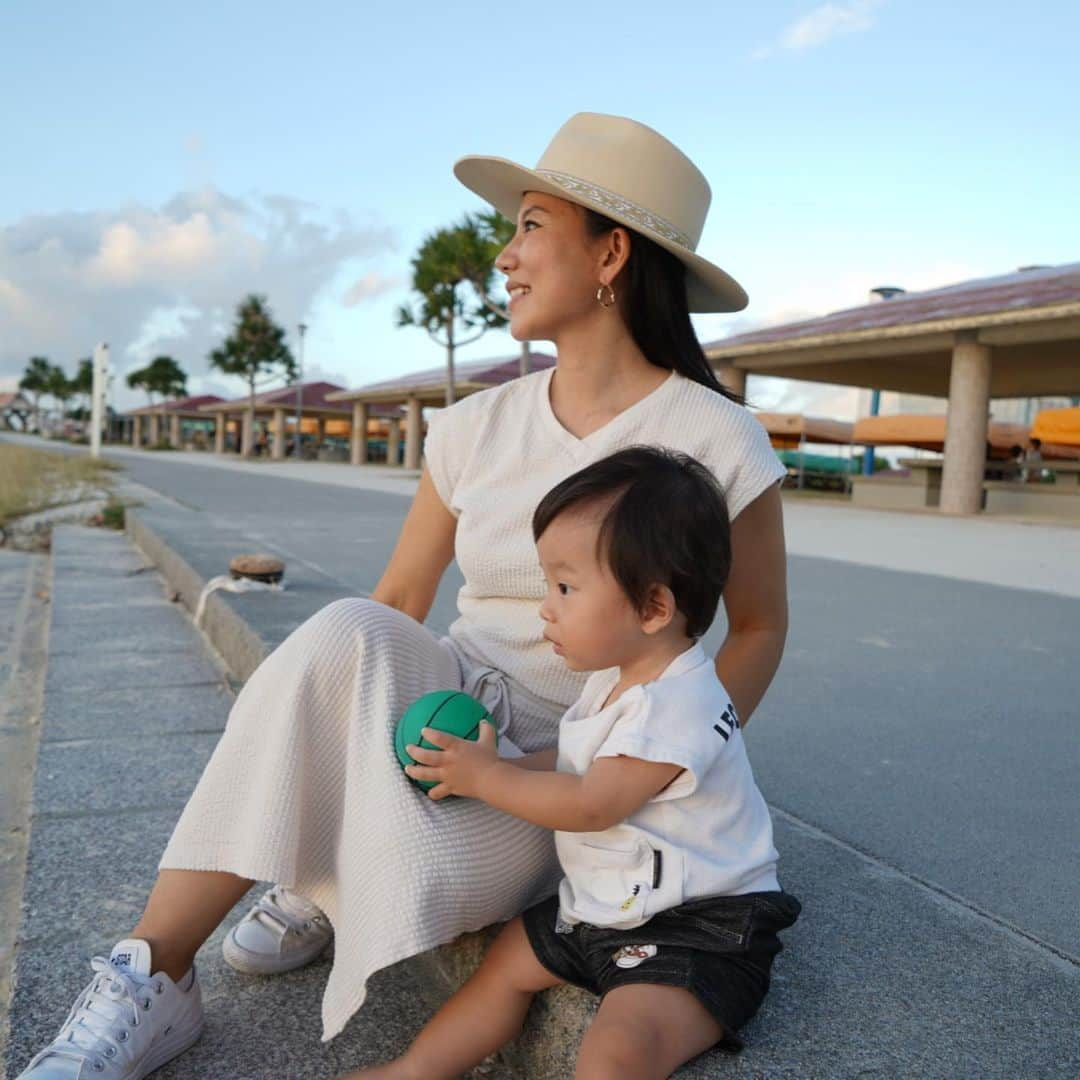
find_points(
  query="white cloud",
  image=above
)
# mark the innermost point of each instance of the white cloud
(822, 25)
(368, 287)
(167, 279)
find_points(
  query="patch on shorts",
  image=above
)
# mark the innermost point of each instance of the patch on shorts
(629, 956)
(562, 926)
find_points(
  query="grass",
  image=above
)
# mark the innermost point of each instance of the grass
(32, 480)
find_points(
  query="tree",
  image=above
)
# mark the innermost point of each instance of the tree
(83, 384)
(256, 351)
(163, 375)
(453, 275)
(35, 381)
(61, 388)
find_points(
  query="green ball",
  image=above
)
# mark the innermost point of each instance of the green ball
(444, 710)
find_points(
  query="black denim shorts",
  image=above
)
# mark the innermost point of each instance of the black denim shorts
(720, 948)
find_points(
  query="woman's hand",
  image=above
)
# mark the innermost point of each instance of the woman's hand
(459, 766)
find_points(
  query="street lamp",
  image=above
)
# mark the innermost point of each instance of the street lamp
(300, 391)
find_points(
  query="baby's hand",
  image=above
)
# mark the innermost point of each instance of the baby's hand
(459, 766)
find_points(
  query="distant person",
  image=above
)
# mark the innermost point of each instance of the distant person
(669, 904)
(1033, 461)
(304, 788)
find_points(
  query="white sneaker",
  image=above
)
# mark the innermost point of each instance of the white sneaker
(281, 932)
(125, 1024)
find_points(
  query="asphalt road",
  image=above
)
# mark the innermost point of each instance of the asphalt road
(925, 720)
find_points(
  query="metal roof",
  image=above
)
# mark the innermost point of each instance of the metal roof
(1022, 290)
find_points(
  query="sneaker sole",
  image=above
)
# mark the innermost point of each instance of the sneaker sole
(251, 963)
(166, 1051)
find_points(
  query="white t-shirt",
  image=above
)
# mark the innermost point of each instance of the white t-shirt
(708, 833)
(493, 456)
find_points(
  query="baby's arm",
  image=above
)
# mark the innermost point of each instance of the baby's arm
(609, 792)
(537, 761)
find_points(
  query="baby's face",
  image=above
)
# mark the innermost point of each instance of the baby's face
(587, 617)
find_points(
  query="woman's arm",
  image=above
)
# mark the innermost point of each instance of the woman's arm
(756, 603)
(423, 551)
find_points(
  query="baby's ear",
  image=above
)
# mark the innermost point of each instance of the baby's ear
(659, 609)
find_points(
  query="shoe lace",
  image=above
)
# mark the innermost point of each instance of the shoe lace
(102, 1016)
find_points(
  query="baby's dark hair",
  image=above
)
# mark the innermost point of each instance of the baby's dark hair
(667, 525)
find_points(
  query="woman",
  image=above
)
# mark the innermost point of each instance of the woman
(304, 787)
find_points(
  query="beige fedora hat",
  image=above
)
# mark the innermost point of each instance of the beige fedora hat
(627, 172)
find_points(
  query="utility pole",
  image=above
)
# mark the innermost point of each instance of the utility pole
(302, 328)
(97, 396)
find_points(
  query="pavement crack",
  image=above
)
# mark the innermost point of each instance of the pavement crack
(1058, 956)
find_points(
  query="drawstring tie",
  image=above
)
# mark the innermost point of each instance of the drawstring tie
(489, 686)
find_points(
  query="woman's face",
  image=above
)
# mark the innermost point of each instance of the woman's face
(553, 268)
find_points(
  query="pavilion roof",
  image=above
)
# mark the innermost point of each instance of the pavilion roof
(470, 376)
(314, 397)
(1038, 287)
(186, 404)
(1029, 319)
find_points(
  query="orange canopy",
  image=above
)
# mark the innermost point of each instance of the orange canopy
(927, 432)
(1061, 426)
(788, 430)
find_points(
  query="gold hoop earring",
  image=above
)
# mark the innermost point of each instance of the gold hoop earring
(600, 296)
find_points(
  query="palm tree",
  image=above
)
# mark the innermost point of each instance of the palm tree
(35, 381)
(83, 384)
(256, 348)
(453, 274)
(61, 388)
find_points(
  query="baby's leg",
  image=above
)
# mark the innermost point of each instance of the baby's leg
(486, 1013)
(642, 1031)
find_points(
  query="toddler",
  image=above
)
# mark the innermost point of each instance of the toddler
(669, 907)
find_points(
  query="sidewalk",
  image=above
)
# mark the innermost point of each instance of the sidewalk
(134, 704)
(916, 956)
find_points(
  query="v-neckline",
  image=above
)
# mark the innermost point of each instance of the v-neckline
(572, 441)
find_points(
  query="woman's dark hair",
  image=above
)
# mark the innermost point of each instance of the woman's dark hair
(657, 308)
(667, 525)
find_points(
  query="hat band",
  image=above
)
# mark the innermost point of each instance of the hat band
(644, 219)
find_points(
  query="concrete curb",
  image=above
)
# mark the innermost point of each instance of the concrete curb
(238, 644)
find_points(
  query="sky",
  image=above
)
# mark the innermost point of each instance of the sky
(161, 161)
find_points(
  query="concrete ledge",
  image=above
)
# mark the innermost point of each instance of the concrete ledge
(1061, 501)
(240, 646)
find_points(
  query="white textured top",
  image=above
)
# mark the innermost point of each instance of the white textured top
(708, 833)
(493, 456)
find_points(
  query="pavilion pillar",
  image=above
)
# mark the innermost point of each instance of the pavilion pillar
(393, 441)
(358, 448)
(221, 423)
(966, 426)
(247, 433)
(155, 429)
(733, 378)
(174, 431)
(278, 432)
(320, 436)
(136, 430)
(412, 434)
